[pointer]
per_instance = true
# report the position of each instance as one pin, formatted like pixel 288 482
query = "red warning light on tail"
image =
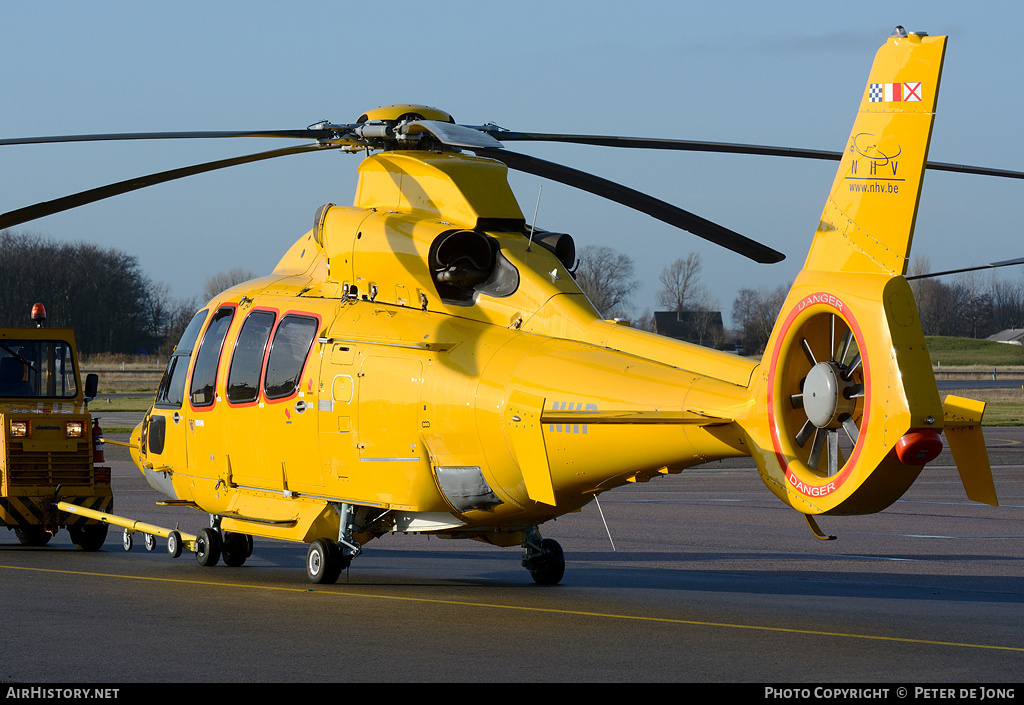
pixel 918 447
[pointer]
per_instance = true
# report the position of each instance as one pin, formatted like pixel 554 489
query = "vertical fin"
pixel 868 222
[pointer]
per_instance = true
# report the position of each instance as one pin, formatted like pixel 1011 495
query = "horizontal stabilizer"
pixel 962 418
pixel 527 438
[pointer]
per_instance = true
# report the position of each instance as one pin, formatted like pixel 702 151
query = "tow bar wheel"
pixel 174 544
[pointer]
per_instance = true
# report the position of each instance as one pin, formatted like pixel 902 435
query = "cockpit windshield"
pixel 37 368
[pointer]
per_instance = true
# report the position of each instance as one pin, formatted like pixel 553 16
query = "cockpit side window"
pixel 247 358
pixel 171 392
pixel 204 375
pixel 288 352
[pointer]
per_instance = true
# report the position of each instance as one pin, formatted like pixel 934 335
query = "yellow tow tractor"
pixel 49 443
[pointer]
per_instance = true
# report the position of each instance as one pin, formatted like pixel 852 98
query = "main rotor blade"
pixel 657 143
pixel 115 136
pixel 39 210
pixel 626 196
pixel 720 147
pixel 993 265
pixel 461 139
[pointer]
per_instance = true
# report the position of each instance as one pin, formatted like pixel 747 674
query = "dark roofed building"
pixel 700 327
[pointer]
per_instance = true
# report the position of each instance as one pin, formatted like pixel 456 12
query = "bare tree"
pixel 179 315
pixel 101 293
pixel 225 280
pixel 919 264
pixel 976 314
pixel 684 293
pixel 645 321
pixel 681 286
pixel 606 277
pixel 754 312
pixel 1007 304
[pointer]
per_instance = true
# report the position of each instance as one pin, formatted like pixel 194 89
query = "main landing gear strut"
pixel 327 558
pixel 543 558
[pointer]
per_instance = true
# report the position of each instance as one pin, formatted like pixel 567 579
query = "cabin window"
pixel 156 435
pixel 247 359
pixel 292 341
pixel 204 376
pixel 171 392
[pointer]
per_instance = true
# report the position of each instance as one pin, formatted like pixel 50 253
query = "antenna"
pixel 535 210
pixel 607 530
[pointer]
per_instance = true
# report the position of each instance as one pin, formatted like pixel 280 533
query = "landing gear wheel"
pixel 174 544
pixel 324 562
pixel 89 537
pixel 33 536
pixel 236 548
pixel 548 566
pixel 127 540
pixel 208 547
pixel 150 541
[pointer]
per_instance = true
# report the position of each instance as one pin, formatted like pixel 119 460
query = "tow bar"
pixel 175 539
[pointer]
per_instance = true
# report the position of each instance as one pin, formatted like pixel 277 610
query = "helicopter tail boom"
pixel 845 409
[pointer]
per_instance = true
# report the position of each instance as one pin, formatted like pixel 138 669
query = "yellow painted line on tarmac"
pixel 546 610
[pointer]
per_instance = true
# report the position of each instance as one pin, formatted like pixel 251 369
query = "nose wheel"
pixel 208 545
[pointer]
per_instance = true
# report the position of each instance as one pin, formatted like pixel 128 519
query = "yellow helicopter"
pixel 423 360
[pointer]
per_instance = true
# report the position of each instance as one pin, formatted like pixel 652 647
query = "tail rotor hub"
pixel 827 395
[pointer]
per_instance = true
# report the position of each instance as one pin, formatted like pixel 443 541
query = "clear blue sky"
pixel 787 74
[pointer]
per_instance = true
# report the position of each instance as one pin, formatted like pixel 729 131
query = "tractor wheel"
pixel 89 537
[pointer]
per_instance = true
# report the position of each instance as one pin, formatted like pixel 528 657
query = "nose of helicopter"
pixel 135 443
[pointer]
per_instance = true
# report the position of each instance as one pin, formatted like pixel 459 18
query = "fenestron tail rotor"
pixel 830 395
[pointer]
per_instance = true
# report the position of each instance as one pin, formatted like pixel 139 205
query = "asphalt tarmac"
pixel 706 577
